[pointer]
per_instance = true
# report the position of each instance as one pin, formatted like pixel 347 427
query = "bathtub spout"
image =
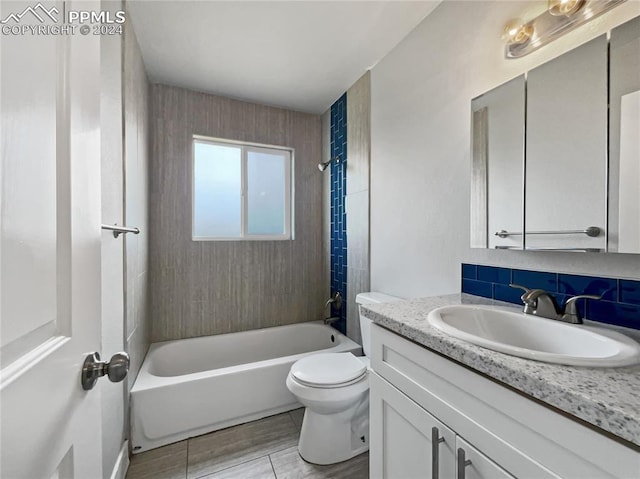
pixel 332 319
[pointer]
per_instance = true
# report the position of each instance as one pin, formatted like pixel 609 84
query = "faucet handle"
pixel 571 312
pixel 530 295
pixel 573 299
pixel 529 303
pixel 523 288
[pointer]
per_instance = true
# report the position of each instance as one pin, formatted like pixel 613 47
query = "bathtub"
pixel 194 386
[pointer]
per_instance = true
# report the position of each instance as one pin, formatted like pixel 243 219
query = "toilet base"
pixel 331 438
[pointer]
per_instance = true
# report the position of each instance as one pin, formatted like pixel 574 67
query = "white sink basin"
pixel 531 337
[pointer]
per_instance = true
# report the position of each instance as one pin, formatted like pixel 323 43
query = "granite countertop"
pixel 608 398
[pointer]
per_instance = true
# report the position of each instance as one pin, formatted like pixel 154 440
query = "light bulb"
pixel 515 32
pixel 564 7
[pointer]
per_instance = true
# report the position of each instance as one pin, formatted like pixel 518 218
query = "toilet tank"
pixel 365 323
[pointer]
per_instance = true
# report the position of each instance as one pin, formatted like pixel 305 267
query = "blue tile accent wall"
pixel 338 213
pixel 620 303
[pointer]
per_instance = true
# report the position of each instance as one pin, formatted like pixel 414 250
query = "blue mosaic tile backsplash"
pixel 338 213
pixel 620 303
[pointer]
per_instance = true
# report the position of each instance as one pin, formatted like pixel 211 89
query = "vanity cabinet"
pixel 411 443
pixel 418 397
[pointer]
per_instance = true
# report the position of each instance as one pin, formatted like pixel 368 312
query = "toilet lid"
pixel 328 369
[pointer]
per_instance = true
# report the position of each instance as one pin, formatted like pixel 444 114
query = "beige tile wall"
pixel 112 396
pixel 357 199
pixel 326 207
pixel 214 287
pixel 136 201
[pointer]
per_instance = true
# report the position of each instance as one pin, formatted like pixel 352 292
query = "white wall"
pixel 420 138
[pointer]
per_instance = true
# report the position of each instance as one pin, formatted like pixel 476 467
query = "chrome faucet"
pixel 540 303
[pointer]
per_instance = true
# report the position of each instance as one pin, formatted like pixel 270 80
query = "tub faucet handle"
pixel 336 301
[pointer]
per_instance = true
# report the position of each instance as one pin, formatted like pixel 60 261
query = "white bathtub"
pixel 194 386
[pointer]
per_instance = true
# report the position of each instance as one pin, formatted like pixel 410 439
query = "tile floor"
pixel 264 449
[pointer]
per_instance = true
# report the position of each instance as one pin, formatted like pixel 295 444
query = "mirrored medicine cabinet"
pixel 556 153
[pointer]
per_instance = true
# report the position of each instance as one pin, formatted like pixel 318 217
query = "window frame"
pixel 245 149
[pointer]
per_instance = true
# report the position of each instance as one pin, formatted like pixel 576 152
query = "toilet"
pixel 334 388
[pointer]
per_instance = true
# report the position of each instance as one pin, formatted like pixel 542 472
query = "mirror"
pixel 566 153
pixel 570 180
pixel 497 165
pixel 624 145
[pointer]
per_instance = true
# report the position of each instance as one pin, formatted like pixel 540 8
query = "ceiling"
pixel 300 55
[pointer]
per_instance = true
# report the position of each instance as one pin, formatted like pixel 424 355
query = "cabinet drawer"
pixel 497 420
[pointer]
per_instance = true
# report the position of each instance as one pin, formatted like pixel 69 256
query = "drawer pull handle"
pixel 463 462
pixel 435 454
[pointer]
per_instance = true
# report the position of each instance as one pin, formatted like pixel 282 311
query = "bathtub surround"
pixel 136 200
pixel 326 208
pixel 420 148
pixel 620 303
pixel 338 212
pixel 346 215
pixel 357 198
pixel 200 288
pixel 124 176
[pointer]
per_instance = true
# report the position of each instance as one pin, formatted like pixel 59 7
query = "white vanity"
pixel 445 408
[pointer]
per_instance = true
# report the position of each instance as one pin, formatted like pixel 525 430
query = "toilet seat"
pixel 329 370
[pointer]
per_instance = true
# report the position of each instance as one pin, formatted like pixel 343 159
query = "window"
pixel 241 191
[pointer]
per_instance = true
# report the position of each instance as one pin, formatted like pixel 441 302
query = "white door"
pixel 50 249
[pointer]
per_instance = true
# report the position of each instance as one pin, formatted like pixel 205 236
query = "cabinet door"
pixel 624 148
pixel 566 149
pixel 406 441
pixel 472 464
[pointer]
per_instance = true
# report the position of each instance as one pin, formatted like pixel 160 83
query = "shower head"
pixel 323 166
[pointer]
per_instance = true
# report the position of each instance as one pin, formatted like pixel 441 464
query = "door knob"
pixel 93 369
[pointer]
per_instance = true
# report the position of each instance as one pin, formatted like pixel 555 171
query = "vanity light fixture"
pixel 517 33
pixel 565 7
pixel 560 17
